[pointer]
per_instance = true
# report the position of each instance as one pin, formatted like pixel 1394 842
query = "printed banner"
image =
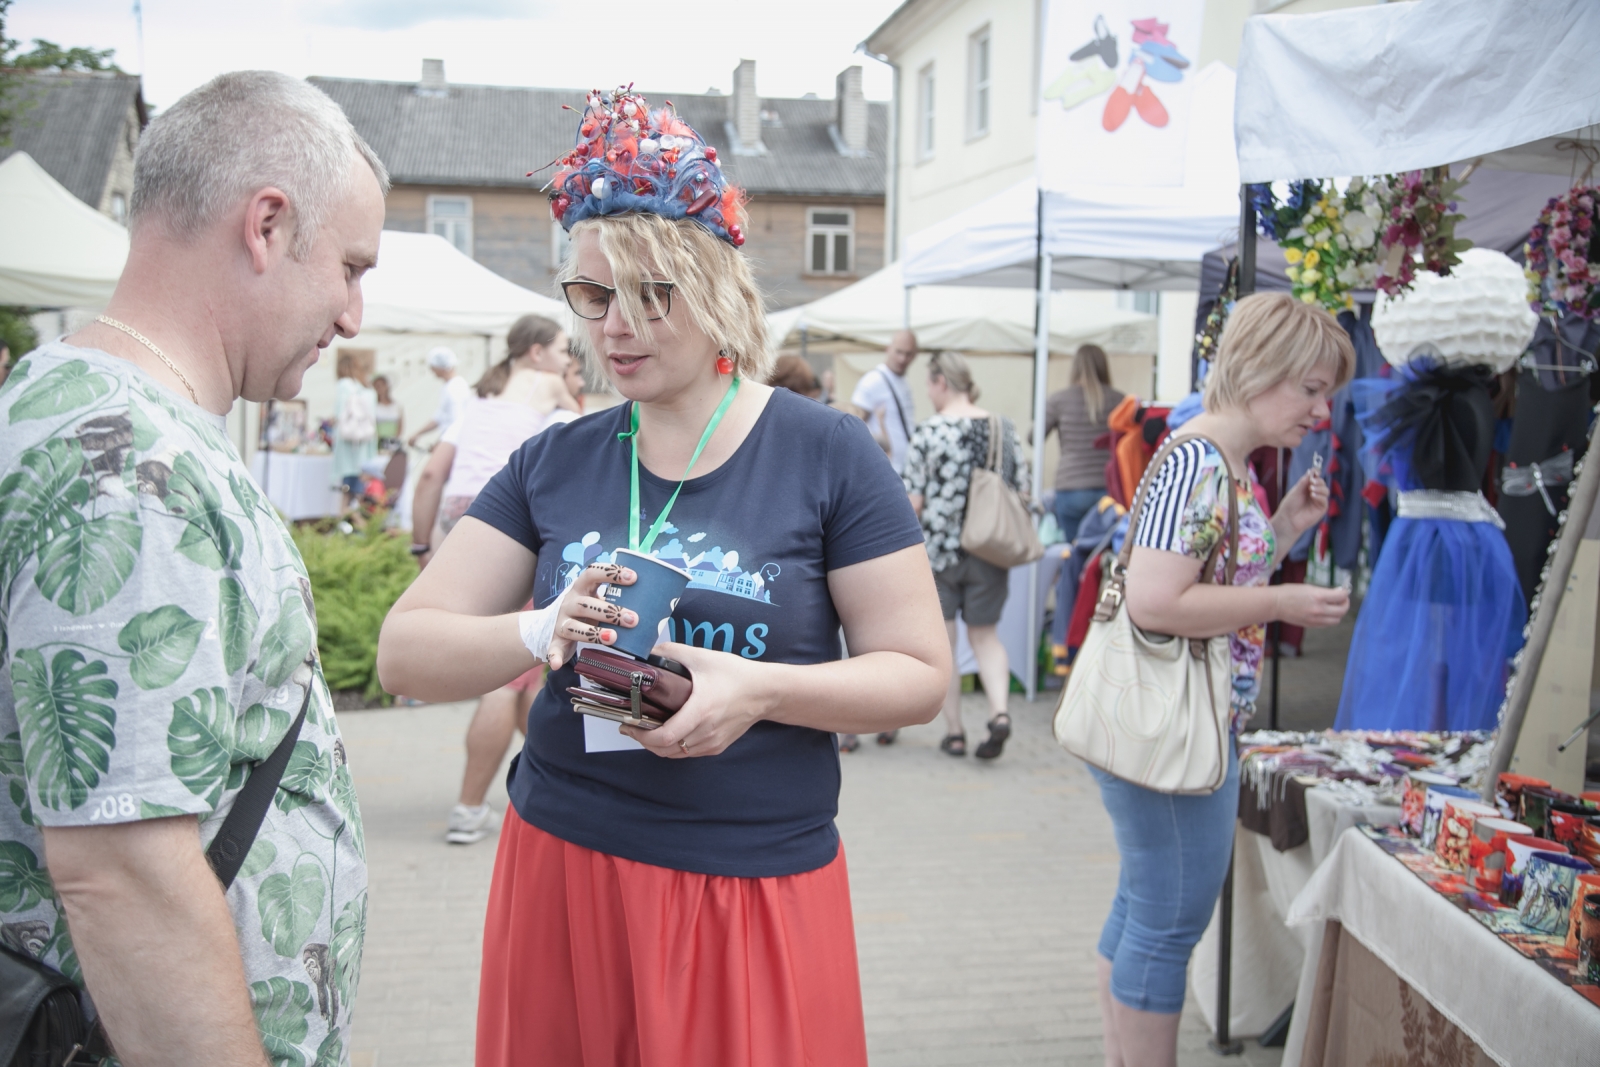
pixel 1117 81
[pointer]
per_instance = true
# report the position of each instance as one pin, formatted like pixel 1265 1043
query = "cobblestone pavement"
pixel 979 891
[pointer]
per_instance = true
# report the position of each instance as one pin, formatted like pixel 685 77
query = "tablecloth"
pixel 299 485
pixel 1516 1012
pixel 1268 956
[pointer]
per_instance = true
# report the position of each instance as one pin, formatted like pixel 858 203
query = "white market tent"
pixel 1101 237
pixel 55 250
pixel 425 293
pixel 424 284
pixel 1098 237
pixel 1048 234
pixel 1396 87
pixel 955 317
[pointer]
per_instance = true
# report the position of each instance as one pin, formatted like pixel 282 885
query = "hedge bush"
pixel 355 580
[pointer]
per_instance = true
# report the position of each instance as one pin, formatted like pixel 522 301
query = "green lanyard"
pixel 632 437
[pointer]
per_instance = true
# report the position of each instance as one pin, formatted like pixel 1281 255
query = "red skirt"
pixel 590 960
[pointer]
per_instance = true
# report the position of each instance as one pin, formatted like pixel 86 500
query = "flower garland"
pixel 1420 210
pixel 1329 238
pixel 1368 237
pixel 1561 256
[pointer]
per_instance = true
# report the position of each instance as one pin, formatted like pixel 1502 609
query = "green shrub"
pixel 355 580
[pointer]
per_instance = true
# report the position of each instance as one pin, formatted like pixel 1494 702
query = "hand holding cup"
pixel 586 617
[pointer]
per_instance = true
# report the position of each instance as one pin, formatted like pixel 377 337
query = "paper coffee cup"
pixel 653 597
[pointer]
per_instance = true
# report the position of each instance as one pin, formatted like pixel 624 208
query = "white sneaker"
pixel 469 825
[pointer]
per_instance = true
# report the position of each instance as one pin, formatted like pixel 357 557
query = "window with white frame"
pixel 451 218
pixel 830 235
pixel 560 245
pixel 978 69
pixel 925 112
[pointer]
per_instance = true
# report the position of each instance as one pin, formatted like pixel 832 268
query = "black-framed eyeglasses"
pixel 591 300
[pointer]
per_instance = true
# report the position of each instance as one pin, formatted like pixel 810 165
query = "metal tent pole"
pixel 1222 1044
pixel 1041 385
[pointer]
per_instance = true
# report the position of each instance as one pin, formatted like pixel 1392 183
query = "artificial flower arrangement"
pixel 1420 219
pixel 1560 256
pixel 1367 237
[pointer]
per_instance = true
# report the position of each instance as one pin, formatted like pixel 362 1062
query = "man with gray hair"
pixel 157 633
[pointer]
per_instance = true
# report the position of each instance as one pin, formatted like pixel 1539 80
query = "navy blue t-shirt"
pixel 807 492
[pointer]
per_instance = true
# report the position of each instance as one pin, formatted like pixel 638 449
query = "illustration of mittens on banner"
pixel 1081 82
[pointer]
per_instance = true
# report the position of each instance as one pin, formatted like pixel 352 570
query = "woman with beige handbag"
pixel 967 479
pixel 1155 715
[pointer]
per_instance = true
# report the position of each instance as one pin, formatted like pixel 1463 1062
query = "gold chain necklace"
pixel 151 345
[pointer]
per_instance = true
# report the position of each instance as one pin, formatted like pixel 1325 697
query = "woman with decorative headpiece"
pixel 1445 612
pixel 677 895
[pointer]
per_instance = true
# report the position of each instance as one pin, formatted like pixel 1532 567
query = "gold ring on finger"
pixel 684 744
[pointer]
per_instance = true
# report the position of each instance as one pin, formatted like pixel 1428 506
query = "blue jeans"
pixel 1174 852
pixel 1070 508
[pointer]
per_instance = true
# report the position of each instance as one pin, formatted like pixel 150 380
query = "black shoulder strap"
pixel 232 843
pixel 905 426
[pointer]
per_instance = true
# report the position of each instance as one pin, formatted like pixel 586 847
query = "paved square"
pixel 979 890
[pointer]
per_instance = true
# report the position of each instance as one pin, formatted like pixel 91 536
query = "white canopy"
pixel 953 317
pixel 1099 237
pixel 1396 87
pixel 55 250
pixel 423 284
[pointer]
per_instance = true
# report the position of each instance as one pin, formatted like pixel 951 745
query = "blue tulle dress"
pixel 1444 613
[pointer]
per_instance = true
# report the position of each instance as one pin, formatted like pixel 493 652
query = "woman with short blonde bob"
pixel 1279 362
pixel 679 895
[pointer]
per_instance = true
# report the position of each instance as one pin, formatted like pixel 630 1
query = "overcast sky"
pixel 673 46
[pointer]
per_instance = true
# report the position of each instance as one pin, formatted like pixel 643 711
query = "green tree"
pixel 49 56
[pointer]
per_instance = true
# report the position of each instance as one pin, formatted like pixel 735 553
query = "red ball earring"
pixel 724 365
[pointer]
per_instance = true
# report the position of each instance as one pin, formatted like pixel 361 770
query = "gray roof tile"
pixel 70 125
pixel 493 135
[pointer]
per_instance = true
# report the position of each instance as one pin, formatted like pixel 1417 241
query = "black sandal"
pixel 954 744
pixel 849 742
pixel 999 730
pixel 888 737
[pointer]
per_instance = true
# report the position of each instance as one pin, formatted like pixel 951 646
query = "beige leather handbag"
pixel 997 527
pixel 1150 708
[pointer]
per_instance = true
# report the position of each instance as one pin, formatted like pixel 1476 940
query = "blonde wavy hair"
pixel 711 281
pixel 1270 338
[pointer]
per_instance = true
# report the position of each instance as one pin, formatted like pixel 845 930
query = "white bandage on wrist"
pixel 538 629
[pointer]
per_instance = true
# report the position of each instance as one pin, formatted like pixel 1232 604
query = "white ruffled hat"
pixel 1479 314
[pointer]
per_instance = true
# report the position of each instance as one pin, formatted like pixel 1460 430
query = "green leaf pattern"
pixel 161 642
pixel 201 740
pixel 155 630
pixel 67 728
pixel 281 1009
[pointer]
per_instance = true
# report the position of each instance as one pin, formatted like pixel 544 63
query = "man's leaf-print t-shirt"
pixel 1187 512
pixel 807 492
pixel 156 639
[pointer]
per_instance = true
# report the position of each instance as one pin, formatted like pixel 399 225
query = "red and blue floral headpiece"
pixel 629 158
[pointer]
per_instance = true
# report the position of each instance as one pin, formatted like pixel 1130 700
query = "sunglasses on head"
pixel 591 300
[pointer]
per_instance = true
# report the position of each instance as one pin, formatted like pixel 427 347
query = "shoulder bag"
pixel 1150 708
pixel 41 1017
pixel 997 527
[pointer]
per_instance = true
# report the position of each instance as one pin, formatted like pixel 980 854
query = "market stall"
pixel 1400 92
